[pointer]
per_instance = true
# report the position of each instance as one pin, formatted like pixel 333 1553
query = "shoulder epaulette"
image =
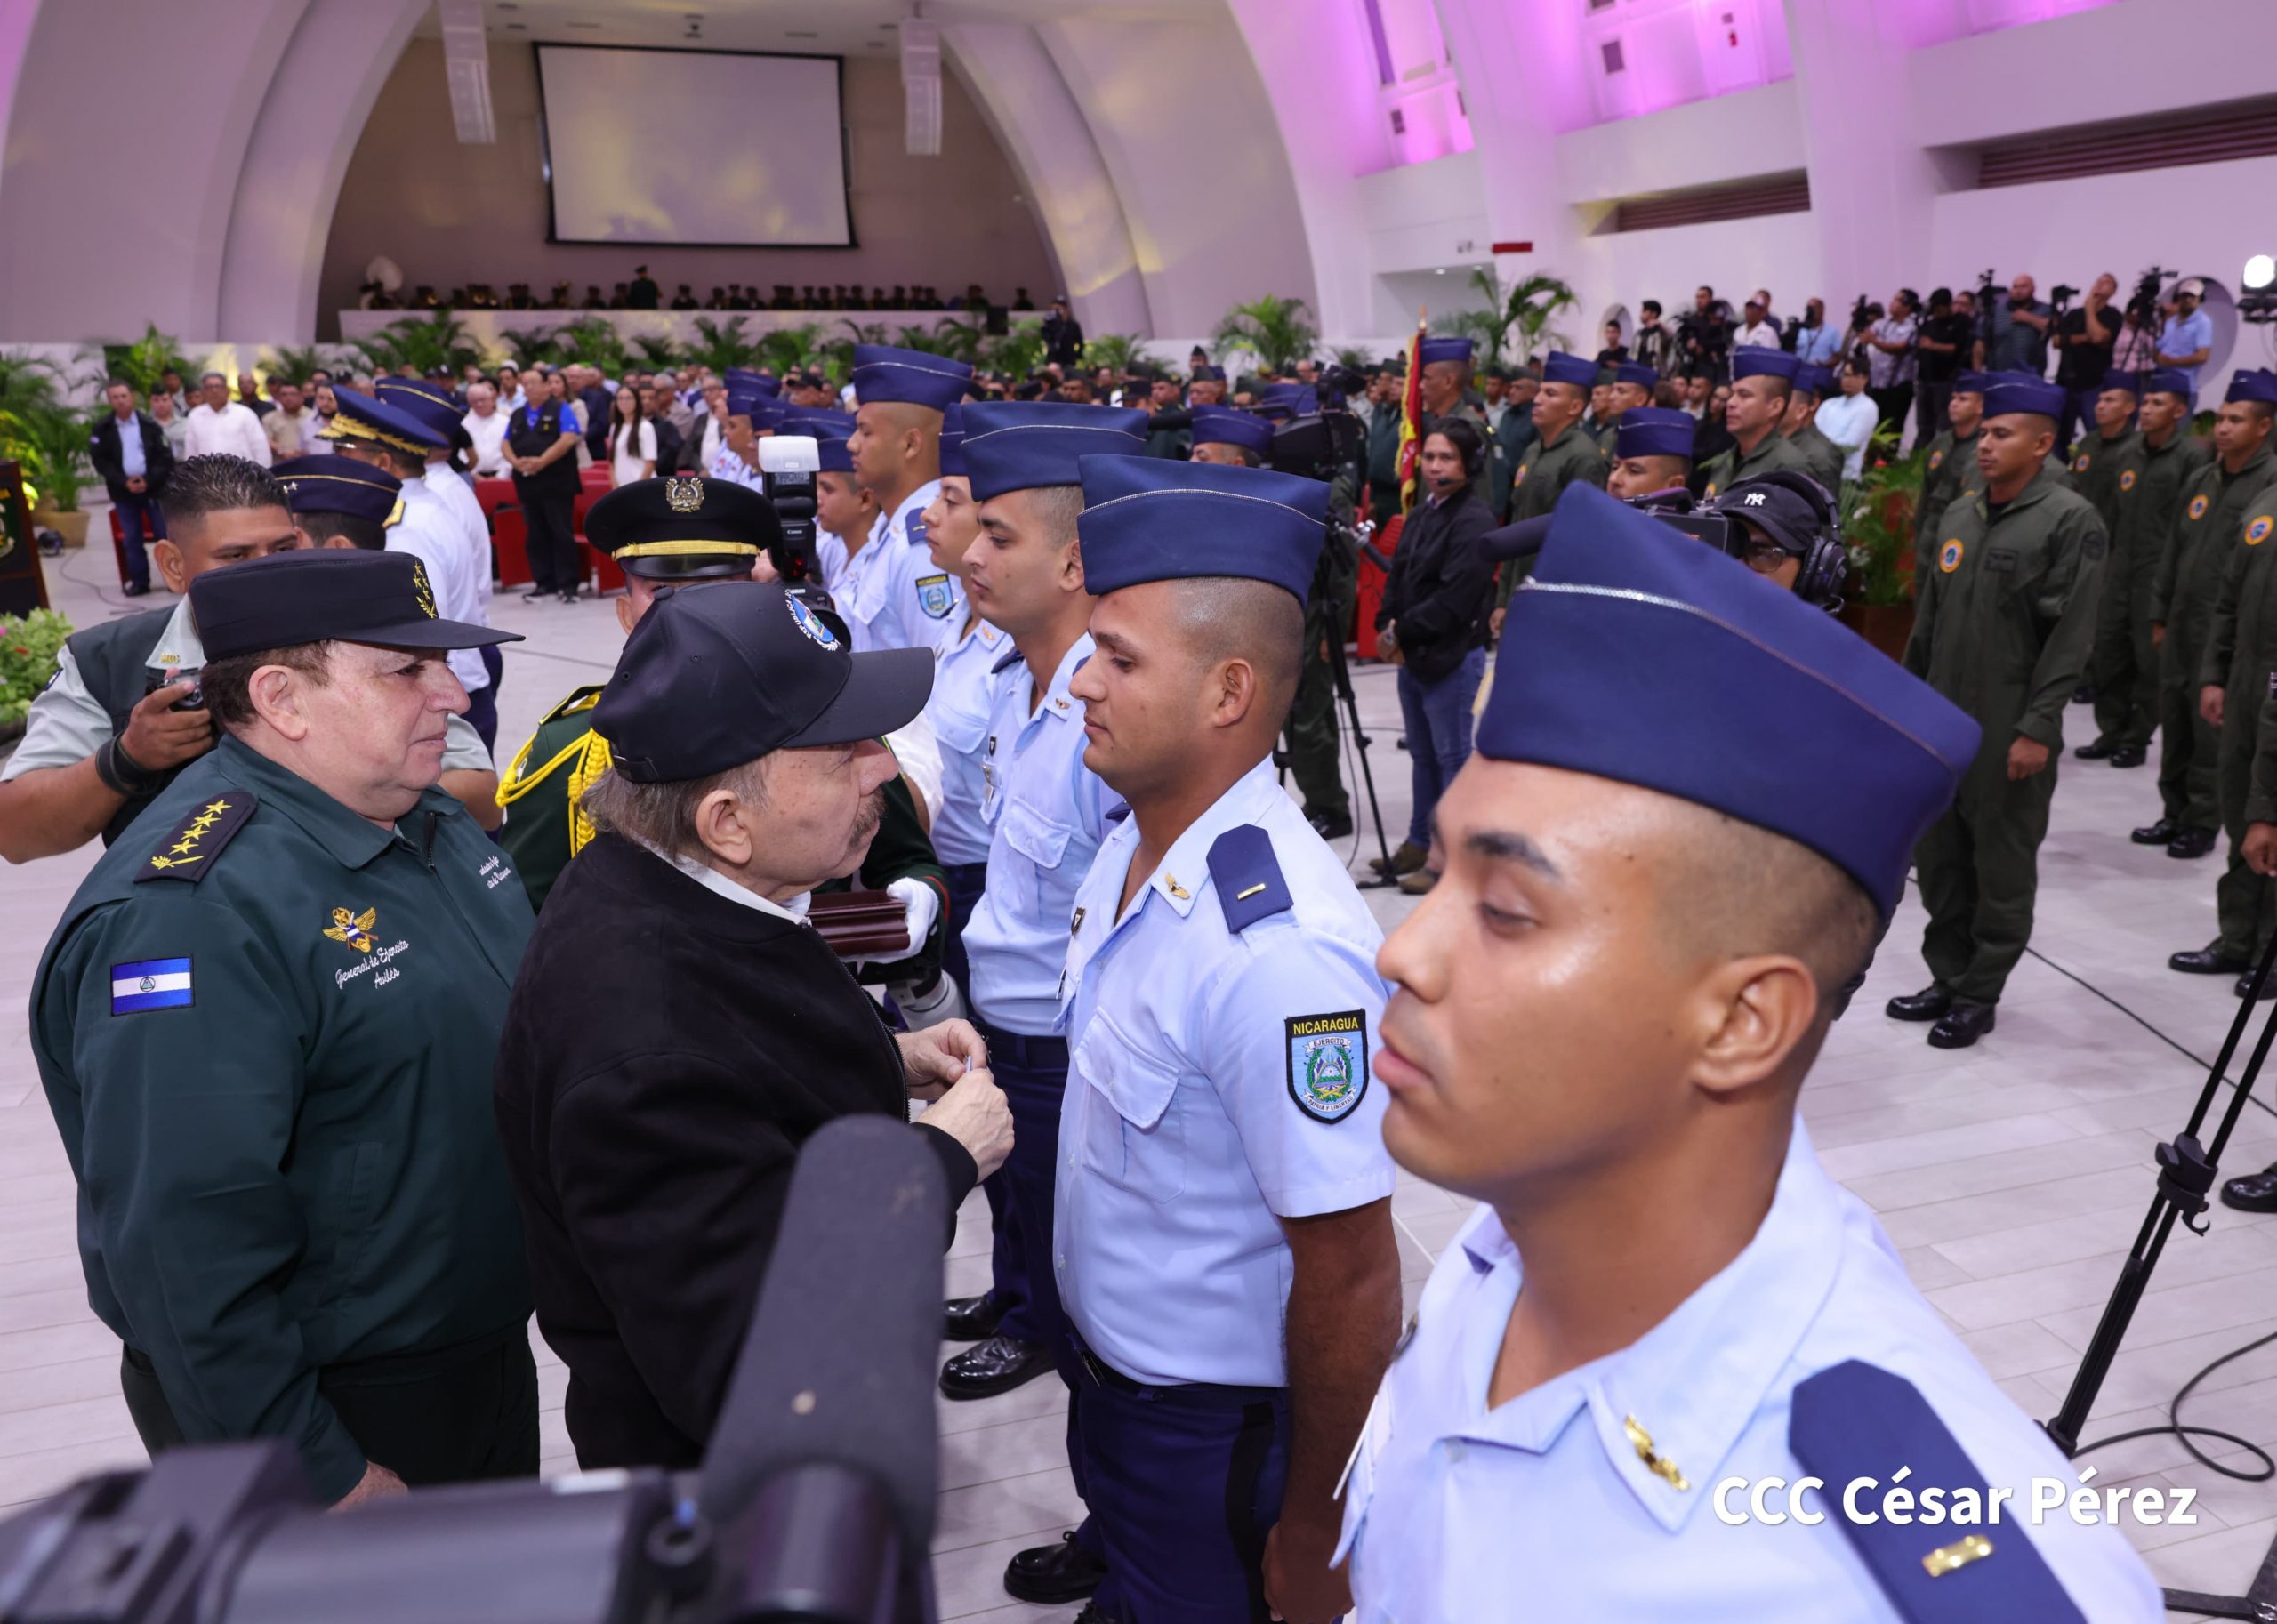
pixel 1854 1420
pixel 1006 663
pixel 1248 876
pixel 189 851
pixel 520 777
pixel 580 701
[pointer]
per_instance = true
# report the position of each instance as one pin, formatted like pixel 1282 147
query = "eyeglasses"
pixel 1764 558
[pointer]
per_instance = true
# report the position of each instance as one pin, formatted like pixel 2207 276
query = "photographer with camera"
pixel 1705 333
pixel 1942 344
pixel 2187 339
pixel 2083 339
pixel 2019 326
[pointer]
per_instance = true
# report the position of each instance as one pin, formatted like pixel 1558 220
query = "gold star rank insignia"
pixel 196 840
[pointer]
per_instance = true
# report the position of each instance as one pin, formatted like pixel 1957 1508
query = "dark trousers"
pixel 140 520
pixel 2078 415
pixel 1437 716
pixel 2189 749
pixel 477 1418
pixel 1979 866
pixel 1184 1483
pixel 2124 668
pixel 2245 904
pixel 549 520
pixel 1894 403
pixel 1008 1264
pixel 482 704
pixel 1311 735
pixel 1032 1073
pixel 1931 400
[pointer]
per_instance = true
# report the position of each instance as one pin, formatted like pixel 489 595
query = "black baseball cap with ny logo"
pixel 325 596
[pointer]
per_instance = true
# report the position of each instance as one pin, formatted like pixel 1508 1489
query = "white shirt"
pixel 1543 1507
pixel 713 880
pixel 631 455
pixel 444 482
pixel 489 437
pixel 891 594
pixel 234 431
pixel 508 405
pixel 1850 421
pixel 427 531
pixel 1212 1074
pixel 1757 335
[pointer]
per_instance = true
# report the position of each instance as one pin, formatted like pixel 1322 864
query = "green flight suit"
pixel 1512 436
pixel 1950 469
pixel 1773 452
pixel 2261 786
pixel 2006 617
pixel 544 829
pixel 2240 658
pixel 1823 459
pixel 1544 472
pixel 266 1027
pixel 1310 737
pixel 2146 481
pixel 2183 591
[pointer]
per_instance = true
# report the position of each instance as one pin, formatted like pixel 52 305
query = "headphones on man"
pixel 1817 541
pixel 1467 444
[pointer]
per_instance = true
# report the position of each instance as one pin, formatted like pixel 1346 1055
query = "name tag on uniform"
pixel 2002 559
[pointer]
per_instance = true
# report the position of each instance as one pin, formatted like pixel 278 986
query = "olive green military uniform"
pixel 545 827
pixel 1544 472
pixel 266 1027
pixel 2240 658
pixel 2006 618
pixel 1174 443
pixel 1950 469
pixel 1823 459
pixel 2147 482
pixel 1468 412
pixel 2260 804
pixel 2183 593
pixel 2097 463
pixel 1310 737
pixel 1774 451
pixel 1607 435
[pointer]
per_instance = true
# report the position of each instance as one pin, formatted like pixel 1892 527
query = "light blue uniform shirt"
pixel 1046 813
pixel 1544 1508
pixel 729 465
pixel 892 593
pixel 1182 1139
pixel 963 703
pixel 2187 335
pixel 1817 346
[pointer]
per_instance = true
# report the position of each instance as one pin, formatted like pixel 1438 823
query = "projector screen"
pixel 687 146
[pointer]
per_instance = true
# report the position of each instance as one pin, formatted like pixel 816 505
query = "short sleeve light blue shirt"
pixel 891 592
pixel 1046 813
pixel 1183 1140
pixel 2187 335
pixel 729 465
pixel 963 703
pixel 1543 1507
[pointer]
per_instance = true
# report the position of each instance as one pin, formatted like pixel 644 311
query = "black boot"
pixel 2209 960
pixel 1929 1004
pixel 2095 750
pixel 2156 834
pixel 2252 1192
pixel 2191 843
pixel 1963 1025
pixel 972 1319
pixel 997 1365
pixel 1051 1575
pixel 2130 755
pixel 2245 985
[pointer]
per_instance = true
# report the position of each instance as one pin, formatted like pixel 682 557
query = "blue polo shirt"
pixel 2186 335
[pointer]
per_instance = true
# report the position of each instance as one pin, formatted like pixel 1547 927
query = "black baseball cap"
pixel 325 596
pixel 716 677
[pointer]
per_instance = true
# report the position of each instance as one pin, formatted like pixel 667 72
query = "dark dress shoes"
pixel 1963 1025
pixel 2205 962
pixel 1929 1004
pixel 2252 1192
pixel 2130 755
pixel 997 1365
pixel 1330 825
pixel 136 588
pixel 2156 834
pixel 2191 843
pixel 2095 750
pixel 1051 1575
pixel 972 1319
pixel 2244 987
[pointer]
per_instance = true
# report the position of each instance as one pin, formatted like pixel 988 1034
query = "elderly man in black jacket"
pixel 678 1029
pixel 131 455
pixel 1434 611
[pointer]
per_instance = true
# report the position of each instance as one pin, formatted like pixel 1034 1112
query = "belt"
pixel 1184 1395
pixel 967 877
pixel 1041 1054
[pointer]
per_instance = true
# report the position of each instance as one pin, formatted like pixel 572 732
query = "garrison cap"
pixel 2253 383
pixel 1755 361
pixel 1284 401
pixel 746 399
pixel 683 527
pixel 360 417
pixel 2169 381
pixel 818 422
pixel 1654 431
pixel 429 403
pixel 916 376
pixel 758 382
pixel 1813 380
pixel 1681 671
pixel 2120 378
pixel 1020 445
pixel 1150 519
pixel 1457 350
pixel 953 440
pixel 1643 377
pixel 1232 426
pixel 715 677
pixel 2007 393
pixel 1563 368
pixel 325 595
pixel 1206 373
pixel 322 482
pixel 1969 382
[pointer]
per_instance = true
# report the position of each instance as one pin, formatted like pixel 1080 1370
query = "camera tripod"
pixel 2186 1174
pixel 1339 669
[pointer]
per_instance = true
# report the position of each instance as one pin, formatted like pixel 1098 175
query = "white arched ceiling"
pixel 339 57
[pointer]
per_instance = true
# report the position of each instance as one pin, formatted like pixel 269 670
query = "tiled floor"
pixel 2013 1176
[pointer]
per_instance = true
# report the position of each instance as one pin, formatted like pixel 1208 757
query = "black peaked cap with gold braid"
pixel 683 527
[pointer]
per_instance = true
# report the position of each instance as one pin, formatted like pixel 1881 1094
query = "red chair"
pixel 509 544
pixel 493 495
pixel 601 569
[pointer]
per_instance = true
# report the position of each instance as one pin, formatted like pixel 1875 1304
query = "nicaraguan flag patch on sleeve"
pixel 149 983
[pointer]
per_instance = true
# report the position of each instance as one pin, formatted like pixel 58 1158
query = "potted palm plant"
pixel 1278 331
pixel 1523 313
pixel 1878 524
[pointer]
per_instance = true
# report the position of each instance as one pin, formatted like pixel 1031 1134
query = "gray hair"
pixel 661 816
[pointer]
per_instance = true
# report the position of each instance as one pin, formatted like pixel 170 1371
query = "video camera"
pixel 788 465
pixel 2143 303
pixel 1318 446
pixel 815 1500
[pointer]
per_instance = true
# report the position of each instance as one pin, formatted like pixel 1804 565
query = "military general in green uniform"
pixel 266 1027
pixel 2145 479
pixel 2183 591
pixel 1561 454
pixel 1948 469
pixel 1761 381
pixel 2006 618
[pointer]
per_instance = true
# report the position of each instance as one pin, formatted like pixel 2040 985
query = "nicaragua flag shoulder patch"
pixel 150 984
